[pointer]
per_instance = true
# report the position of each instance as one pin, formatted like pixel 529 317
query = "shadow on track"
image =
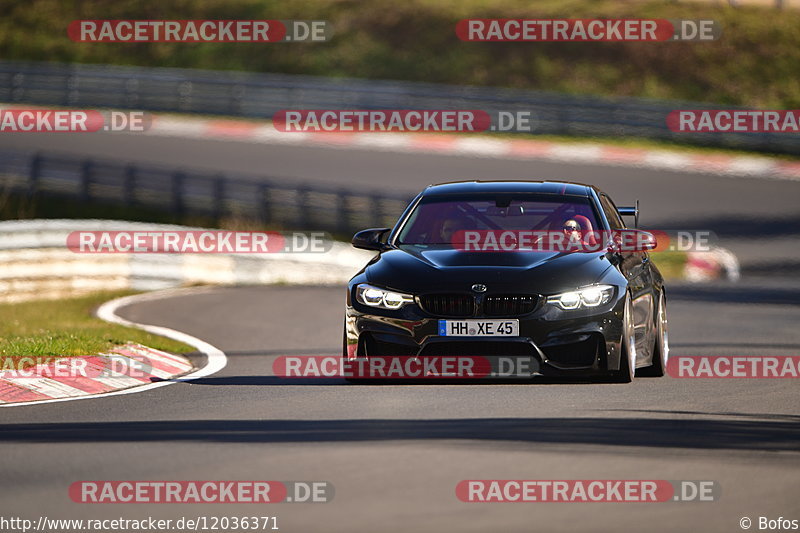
pixel 727 434
pixel 273 381
pixel 765 416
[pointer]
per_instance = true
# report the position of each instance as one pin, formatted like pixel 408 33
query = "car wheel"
pixel 661 348
pixel 627 363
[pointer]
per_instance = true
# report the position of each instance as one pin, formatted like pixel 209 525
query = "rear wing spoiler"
pixel 631 212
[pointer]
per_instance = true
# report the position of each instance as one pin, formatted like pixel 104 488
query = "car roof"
pixel 560 188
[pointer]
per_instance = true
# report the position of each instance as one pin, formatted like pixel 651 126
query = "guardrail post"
pixel 17 87
pixel 129 185
pixel 265 204
pixel 131 92
pixel 342 212
pixel 177 193
pixel 235 100
pixel 35 173
pixel 377 210
pixel 184 94
pixel 562 128
pixel 219 198
pixel 303 208
pixel 86 180
pixel 69 84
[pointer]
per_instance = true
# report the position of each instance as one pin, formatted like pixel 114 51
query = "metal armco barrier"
pixel 260 95
pixel 35 263
pixel 182 193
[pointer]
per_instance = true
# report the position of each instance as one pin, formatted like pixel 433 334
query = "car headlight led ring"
pixel 382 298
pixel 585 297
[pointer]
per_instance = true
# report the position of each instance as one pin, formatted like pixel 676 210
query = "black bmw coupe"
pixel 452 278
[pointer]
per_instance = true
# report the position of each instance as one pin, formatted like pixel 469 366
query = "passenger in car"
pixel 573 231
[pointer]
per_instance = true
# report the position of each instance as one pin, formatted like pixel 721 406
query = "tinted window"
pixel 610 210
pixel 434 220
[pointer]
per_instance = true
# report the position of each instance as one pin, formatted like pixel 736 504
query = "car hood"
pixel 416 270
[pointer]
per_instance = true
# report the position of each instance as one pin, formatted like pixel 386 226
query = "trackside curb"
pixel 167 368
pixel 122 367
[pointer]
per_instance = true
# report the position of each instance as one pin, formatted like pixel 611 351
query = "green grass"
pixel 753 64
pixel 52 328
pixel 670 264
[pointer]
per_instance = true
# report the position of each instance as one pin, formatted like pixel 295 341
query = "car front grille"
pixel 448 304
pixel 509 305
pixel 463 305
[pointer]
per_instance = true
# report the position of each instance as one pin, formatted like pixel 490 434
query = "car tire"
pixel 627 362
pixel 661 348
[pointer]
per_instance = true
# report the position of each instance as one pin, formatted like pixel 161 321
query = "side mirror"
pixel 370 239
pixel 631 240
pixel 631 212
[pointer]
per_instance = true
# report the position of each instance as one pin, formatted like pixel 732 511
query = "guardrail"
pixel 184 193
pixel 35 263
pixel 260 95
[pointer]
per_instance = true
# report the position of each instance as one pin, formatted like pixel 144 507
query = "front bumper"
pixel 558 343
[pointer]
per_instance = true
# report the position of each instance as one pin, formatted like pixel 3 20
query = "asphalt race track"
pixel 396 452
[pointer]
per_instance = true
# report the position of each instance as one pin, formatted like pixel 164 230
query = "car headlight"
pixel 383 298
pixel 592 296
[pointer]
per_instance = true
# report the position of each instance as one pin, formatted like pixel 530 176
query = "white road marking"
pixel 216 357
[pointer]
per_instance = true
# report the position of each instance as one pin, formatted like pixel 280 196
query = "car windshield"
pixel 435 221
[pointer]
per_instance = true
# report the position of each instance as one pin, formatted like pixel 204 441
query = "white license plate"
pixel 479 328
